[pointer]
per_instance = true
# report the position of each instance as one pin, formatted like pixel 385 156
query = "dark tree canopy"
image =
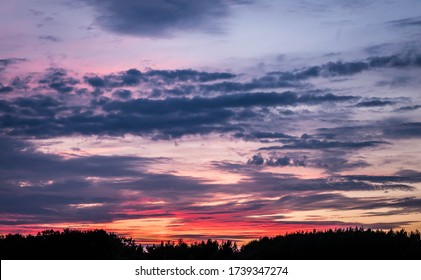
pixel 351 243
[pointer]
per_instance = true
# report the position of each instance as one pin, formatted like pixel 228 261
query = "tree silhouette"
pixel 351 243
pixel 69 244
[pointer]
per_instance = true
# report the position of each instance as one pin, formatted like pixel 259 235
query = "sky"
pixel 225 119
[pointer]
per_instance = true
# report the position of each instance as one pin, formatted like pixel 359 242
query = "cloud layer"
pixel 160 18
pixel 300 150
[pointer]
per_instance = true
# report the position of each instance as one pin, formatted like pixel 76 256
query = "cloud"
pixel 47 188
pixel 256 160
pixel 178 102
pixel 86 122
pixel 335 161
pixel 41 116
pixel 160 18
pixel 408 108
pixel 342 68
pixel 331 160
pixel 374 134
pixel 296 78
pixel 134 77
pixel 403 130
pixel 345 68
pixel 21 82
pixel 400 81
pixel 406 22
pixel 128 78
pixel 188 75
pixel 22 162
pixel 262 136
pixel 59 80
pixel 5 89
pixel 122 94
pixel 243 100
pixel 374 103
pixel 396 61
pixel 317 144
pixel 276 161
pixel 406 176
pixel 341 202
pixel 95 113
pixel 270 184
pixel 4 63
pixel 248 86
pixel 95 81
pixel 50 38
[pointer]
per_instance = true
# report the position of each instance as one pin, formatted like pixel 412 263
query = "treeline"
pixel 351 243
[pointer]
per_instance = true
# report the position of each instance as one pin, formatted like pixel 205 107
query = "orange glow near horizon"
pixel 154 231
pixel 197 227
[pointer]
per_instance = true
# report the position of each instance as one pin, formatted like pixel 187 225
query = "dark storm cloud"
pixel 50 116
pixel 403 130
pixel 37 207
pixel 95 81
pixel 248 86
pixel 345 68
pixel 409 108
pixel 21 161
pixel 45 116
pixel 339 68
pixel 21 82
pixel 270 184
pixel 270 80
pixel 185 75
pixel 396 61
pixel 276 161
pixel 256 160
pixel 161 17
pixel 129 78
pixel 381 179
pixel 168 187
pixel 404 176
pixel 155 107
pixel 59 80
pixel 285 161
pixel 36 102
pixel 331 160
pixel 5 89
pixel 4 63
pixel 295 78
pixel 374 134
pixel 341 202
pixel 263 135
pixel 174 104
pixel 134 77
pixel 122 93
pixel 350 132
pixel 48 188
pixel 374 103
pixel 33 108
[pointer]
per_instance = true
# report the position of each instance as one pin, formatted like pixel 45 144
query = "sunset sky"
pixel 223 119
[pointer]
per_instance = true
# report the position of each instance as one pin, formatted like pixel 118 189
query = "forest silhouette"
pixel 345 244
